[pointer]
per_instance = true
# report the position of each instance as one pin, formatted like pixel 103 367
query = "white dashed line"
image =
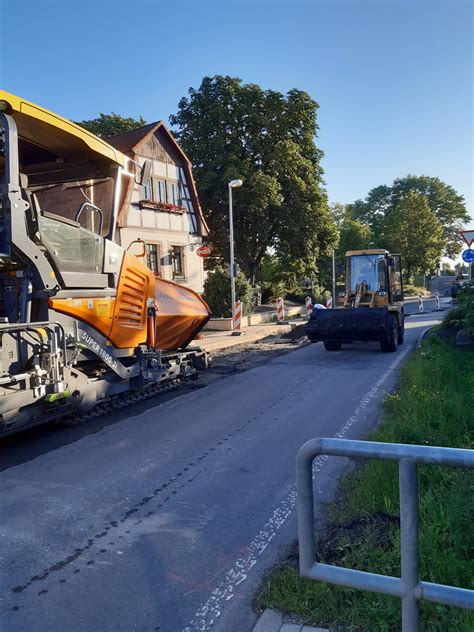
pixel 207 614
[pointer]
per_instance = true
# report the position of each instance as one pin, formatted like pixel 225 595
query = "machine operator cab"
pixel 68 185
pixel 373 279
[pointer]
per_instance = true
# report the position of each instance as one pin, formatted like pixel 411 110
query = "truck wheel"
pixel 389 345
pixel 332 345
pixel 401 332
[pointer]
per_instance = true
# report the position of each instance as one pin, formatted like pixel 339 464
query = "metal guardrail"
pixel 408 587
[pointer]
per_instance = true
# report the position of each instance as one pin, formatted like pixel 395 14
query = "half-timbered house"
pixel 166 213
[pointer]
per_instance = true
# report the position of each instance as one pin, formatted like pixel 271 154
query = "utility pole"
pixel 232 185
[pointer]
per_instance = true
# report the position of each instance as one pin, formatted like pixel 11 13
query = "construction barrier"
pixel 420 304
pixel 437 299
pixel 309 306
pixel 280 310
pixel 329 303
pixel 238 316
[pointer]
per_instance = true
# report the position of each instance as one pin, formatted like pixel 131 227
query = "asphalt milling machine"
pixel 82 321
pixel 369 309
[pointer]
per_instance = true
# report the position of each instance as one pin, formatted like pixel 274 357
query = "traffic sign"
pixel 468 236
pixel 468 255
pixel 203 251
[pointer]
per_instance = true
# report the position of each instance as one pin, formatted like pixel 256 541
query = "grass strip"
pixel 432 405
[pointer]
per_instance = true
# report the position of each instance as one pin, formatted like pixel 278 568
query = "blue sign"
pixel 468 255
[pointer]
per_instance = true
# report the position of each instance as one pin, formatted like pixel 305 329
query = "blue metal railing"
pixel 408 587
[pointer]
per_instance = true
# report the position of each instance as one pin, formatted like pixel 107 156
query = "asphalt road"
pixel 167 520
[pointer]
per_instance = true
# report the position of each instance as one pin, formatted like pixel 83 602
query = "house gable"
pixel 156 143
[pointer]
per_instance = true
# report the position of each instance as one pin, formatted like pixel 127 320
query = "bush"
pixel 462 316
pixel 297 297
pixel 217 293
pixel 414 290
pixel 271 290
pixel 454 319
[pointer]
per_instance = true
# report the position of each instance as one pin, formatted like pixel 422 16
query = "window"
pixel 396 278
pixel 160 191
pixel 147 190
pixel 368 268
pixel 74 249
pixel 152 258
pixel 175 196
pixel 363 268
pixel 177 254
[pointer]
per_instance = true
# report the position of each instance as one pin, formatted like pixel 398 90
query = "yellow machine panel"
pixel 97 312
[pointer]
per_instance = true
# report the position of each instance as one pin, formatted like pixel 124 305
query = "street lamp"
pixel 233 184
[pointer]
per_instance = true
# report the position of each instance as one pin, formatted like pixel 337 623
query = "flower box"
pixel 161 206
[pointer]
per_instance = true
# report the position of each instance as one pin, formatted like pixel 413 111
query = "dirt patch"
pixel 335 541
pixel 339 540
pixel 297 333
pixel 249 355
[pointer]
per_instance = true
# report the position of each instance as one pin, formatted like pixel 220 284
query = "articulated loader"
pixel 370 308
pixel 82 321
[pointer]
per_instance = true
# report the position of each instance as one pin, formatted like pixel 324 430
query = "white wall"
pixel 192 264
pixel 165 229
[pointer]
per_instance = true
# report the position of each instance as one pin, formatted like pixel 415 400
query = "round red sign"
pixel 203 251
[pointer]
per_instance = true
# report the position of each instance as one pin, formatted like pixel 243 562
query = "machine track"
pixel 119 401
pixel 114 402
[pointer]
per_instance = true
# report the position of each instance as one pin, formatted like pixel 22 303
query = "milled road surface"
pixel 166 520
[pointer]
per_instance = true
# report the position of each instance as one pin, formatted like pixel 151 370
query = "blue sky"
pixel 393 78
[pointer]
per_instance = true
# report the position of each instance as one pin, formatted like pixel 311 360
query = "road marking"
pixel 207 614
pixel 366 399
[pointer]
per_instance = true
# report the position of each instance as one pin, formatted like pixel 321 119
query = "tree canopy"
pixel 353 234
pixel 446 204
pixel 413 229
pixel 233 130
pixel 106 125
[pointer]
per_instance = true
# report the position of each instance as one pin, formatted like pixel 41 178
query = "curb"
pixel 272 621
pixel 423 336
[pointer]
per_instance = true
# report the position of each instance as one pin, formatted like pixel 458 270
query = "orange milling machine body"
pixel 180 312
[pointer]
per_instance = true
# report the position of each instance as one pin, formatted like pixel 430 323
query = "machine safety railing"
pixel 409 587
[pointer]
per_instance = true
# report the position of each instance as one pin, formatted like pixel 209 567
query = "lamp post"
pixel 233 184
pixel 333 278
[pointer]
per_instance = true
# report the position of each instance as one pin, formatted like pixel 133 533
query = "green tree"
pixel 448 206
pixel 217 292
pixel 233 130
pixel 106 125
pixel 413 230
pixel 460 269
pixel 353 234
pixel 447 269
